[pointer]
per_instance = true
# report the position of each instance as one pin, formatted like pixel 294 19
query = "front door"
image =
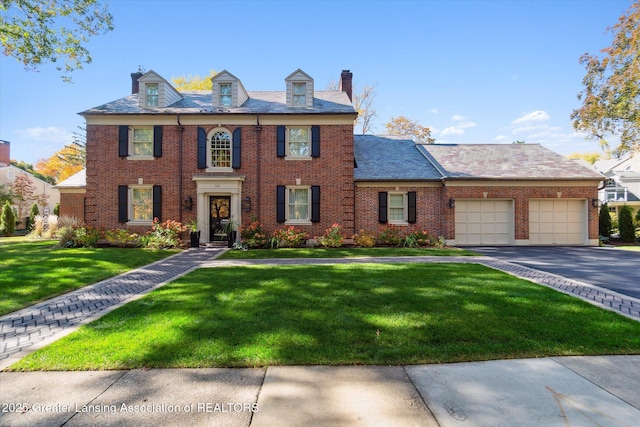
pixel 220 211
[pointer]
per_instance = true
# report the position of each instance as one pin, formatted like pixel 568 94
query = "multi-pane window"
pixel 298 204
pixel 142 142
pixel 225 94
pixel 152 94
pixel 299 94
pixel 298 143
pixel 142 204
pixel 220 144
pixel 396 208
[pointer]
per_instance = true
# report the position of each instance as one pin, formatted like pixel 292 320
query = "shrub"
pixel 288 237
pixel 604 221
pixel 122 238
pixel 86 237
pixel 389 235
pixel 66 236
pixel 52 222
pixel 332 237
pixel 364 239
pixel 253 235
pixel 625 222
pixel 8 220
pixel 418 238
pixel 163 235
pixel 69 221
pixel 56 209
pixel 37 225
pixel 32 216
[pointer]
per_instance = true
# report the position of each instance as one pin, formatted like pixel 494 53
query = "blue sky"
pixel 473 71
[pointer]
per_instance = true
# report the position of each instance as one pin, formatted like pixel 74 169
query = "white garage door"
pixel 557 222
pixel 484 222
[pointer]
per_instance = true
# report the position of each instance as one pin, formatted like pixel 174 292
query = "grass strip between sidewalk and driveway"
pixel 344 252
pixel 347 314
pixel 35 270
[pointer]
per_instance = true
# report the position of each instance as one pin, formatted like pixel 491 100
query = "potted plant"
pixel 194 233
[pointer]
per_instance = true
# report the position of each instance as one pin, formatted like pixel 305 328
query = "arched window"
pixel 220 149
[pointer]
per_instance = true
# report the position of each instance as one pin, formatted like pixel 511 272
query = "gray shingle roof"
pixel 391 158
pixel 505 161
pixel 199 102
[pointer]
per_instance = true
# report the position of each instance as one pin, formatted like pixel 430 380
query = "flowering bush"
pixel 122 238
pixel 389 235
pixel 163 235
pixel 364 239
pixel 253 235
pixel 288 237
pixel 418 238
pixel 332 237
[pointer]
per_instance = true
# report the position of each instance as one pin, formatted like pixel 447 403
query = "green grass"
pixel 629 248
pixel 35 270
pixel 342 253
pixel 351 314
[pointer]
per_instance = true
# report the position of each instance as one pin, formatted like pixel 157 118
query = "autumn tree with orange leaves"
pixel 403 126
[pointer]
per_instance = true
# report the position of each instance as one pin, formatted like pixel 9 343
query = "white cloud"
pixel 49 134
pixel 500 138
pixel 457 118
pixel 535 116
pixel 452 130
pixel 434 111
pixel 466 125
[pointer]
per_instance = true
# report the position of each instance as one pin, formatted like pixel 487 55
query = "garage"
pixel 484 222
pixel 557 222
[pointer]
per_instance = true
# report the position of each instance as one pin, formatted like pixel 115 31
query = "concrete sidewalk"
pixel 563 391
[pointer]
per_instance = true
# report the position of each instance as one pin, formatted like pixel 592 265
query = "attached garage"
pixel 557 222
pixel 484 222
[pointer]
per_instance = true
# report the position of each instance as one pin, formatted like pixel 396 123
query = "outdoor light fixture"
pixel 452 202
pixel 188 203
pixel 595 203
pixel 246 204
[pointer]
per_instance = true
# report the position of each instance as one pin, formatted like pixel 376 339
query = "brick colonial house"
pixel 290 158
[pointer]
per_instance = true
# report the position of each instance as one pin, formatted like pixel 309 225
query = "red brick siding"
pixel 72 204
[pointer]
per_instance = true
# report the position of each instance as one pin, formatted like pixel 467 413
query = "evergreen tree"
pixel 34 212
pixel 625 223
pixel 8 220
pixel 604 224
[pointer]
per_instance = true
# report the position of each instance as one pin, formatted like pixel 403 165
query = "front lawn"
pixel 36 270
pixel 346 252
pixel 351 314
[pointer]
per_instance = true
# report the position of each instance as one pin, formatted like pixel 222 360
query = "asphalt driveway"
pixel 610 268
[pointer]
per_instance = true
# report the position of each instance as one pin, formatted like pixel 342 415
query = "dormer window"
pixel 299 94
pixel 152 94
pixel 225 94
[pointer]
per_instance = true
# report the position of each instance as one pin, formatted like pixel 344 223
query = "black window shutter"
pixel 157 202
pixel 280 214
pixel 315 203
pixel 281 141
pixel 315 141
pixel 237 148
pixel 157 141
pixel 411 205
pixel 382 207
pixel 202 149
pixel 123 203
pixel 123 141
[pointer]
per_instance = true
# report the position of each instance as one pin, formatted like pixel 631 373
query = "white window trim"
pixel 209 135
pixel 405 208
pixel 290 156
pixel 132 155
pixel 286 201
pixel 220 104
pixel 130 205
pixel 146 95
pixel 293 93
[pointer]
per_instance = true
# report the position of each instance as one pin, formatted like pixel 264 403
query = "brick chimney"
pixel 5 153
pixel 135 85
pixel 345 83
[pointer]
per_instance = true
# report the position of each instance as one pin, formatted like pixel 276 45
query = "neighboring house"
pixel 72 195
pixel 9 173
pixel 290 158
pixel 622 185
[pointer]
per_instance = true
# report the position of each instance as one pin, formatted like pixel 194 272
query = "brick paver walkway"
pixel 28 329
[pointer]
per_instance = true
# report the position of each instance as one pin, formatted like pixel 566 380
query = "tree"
pixel 7 220
pixel 517 141
pixel 363 104
pixel 590 158
pixel 402 126
pixel 604 221
pixel 32 215
pixel 193 82
pixel 24 193
pixel 611 94
pixel 27 167
pixel 76 152
pixel 5 195
pixel 625 224
pixel 62 164
pixel 36 32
